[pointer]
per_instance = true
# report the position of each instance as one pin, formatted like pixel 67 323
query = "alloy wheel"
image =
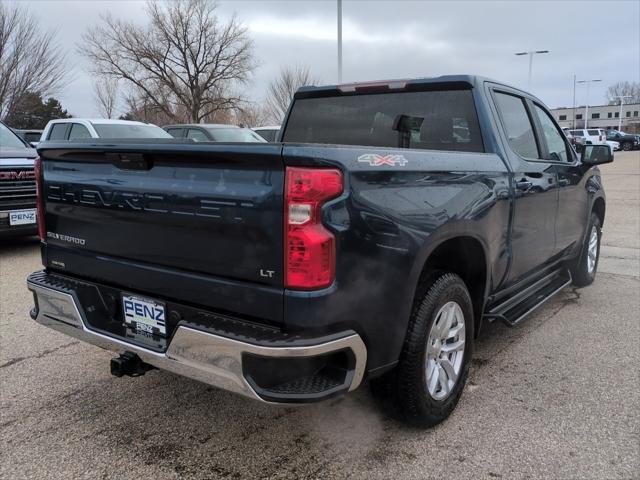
pixel 445 351
pixel 592 252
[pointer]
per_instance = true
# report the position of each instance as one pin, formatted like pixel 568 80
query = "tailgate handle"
pixel 129 161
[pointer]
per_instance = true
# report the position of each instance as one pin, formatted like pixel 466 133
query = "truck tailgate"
pixel 213 211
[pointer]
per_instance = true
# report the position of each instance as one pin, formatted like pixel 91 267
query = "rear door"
pixel 535 185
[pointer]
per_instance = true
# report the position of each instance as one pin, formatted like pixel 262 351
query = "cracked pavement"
pixel 556 397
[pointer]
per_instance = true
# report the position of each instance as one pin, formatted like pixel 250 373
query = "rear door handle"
pixel 524 185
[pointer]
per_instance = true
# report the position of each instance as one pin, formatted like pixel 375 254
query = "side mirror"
pixel 596 154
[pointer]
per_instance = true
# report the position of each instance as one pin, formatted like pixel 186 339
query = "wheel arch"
pixel 466 257
pixel 599 209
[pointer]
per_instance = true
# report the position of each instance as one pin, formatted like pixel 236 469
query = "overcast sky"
pixel 398 39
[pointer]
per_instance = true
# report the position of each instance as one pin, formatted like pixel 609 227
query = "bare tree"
pixel 631 89
pixel 183 59
pixel 250 115
pixel 142 108
pixel 280 91
pixel 30 58
pixel 106 95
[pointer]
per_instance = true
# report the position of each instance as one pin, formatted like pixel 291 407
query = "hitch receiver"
pixel 129 364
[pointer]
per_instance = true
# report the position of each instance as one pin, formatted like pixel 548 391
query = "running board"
pixel 514 309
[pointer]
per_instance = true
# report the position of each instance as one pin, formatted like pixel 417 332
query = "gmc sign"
pixel 17 176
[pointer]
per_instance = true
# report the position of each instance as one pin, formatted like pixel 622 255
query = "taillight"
pixel 37 169
pixel 310 249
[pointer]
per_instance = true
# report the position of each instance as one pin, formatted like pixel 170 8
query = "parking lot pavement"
pixel 556 397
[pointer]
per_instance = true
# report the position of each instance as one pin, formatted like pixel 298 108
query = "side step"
pixel 514 309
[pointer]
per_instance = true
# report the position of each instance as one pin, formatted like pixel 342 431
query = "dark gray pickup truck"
pixel 373 242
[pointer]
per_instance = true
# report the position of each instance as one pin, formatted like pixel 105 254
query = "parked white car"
pixel 614 146
pixel 76 128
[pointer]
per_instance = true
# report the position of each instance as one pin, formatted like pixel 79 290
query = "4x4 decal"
pixel 376 160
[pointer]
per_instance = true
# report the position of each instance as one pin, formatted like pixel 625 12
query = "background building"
pixel 600 116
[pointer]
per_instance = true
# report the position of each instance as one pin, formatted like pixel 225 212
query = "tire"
pixel 626 146
pixel 406 389
pixel 583 271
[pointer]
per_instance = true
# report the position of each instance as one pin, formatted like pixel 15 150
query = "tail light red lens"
pixel 310 249
pixel 37 169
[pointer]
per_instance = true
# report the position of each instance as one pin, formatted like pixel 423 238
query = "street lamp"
pixel 339 41
pixel 586 108
pixel 531 54
pixel 621 97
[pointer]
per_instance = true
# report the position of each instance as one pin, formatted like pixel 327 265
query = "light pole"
pixel 573 123
pixel 586 107
pixel 339 41
pixel 531 54
pixel 621 97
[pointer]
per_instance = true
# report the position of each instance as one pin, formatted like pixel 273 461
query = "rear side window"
pixel 268 135
pixel 57 131
pixel 517 125
pixel 175 132
pixel 78 131
pixel 435 120
pixel 197 135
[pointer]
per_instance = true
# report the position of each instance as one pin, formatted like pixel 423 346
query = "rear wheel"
pixel 428 381
pixel 584 270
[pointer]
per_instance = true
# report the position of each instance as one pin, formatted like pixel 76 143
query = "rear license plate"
pixel 144 314
pixel 22 217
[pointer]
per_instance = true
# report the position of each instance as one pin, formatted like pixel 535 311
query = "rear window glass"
pixel 437 120
pixel 593 132
pixel 235 135
pixel 129 130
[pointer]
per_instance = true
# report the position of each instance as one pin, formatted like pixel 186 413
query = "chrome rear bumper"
pixel 209 358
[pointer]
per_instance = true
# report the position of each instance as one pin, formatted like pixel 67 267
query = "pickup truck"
pixel 17 186
pixel 372 243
